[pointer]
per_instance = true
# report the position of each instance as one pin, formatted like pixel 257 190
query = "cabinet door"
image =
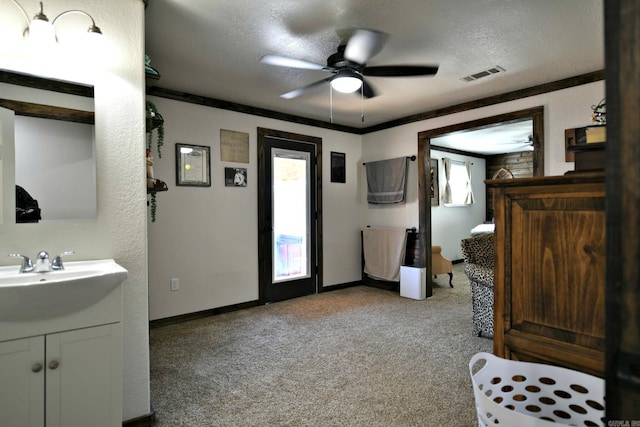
pixel 22 382
pixel 84 377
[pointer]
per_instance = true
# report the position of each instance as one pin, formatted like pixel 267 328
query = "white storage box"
pixel 525 394
pixel 413 282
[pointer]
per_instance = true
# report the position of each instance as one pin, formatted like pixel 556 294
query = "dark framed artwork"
pixel 338 167
pixel 193 165
pixel 235 177
pixel 434 183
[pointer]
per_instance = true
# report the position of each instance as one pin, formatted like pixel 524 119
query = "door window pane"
pixel 290 215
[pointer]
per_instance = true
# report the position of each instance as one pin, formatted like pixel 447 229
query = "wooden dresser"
pixel 549 280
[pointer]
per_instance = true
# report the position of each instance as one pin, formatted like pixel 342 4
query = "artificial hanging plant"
pixel 154 207
pixel 155 121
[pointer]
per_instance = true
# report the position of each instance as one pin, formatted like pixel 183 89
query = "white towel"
pixel 384 250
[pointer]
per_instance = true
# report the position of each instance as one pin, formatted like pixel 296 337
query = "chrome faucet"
pixel 42 264
pixel 56 264
pixel 26 266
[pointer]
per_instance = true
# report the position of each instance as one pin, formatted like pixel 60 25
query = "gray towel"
pixel 387 181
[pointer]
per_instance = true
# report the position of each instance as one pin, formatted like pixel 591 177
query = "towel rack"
pixel 412 158
pixel 410 230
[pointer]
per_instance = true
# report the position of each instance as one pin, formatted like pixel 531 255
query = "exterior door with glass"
pixel 288 217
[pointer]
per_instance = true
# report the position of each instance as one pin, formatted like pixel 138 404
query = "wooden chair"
pixel 440 264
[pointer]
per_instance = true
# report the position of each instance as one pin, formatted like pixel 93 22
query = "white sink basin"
pixel 38 296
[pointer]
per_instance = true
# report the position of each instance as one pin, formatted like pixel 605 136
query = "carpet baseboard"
pixel 200 314
pixel 235 307
pixel 141 421
pixel 340 286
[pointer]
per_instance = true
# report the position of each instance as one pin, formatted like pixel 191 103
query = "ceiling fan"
pixel 348 65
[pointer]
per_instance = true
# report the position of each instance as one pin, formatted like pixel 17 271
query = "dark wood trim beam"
pixel 492 100
pixel 35 82
pixel 460 152
pixel 246 109
pixel 471 105
pixel 42 111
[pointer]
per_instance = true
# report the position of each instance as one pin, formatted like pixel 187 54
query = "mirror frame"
pixel 536 114
pixel 47 111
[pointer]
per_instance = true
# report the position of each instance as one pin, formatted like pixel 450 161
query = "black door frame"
pixel 264 229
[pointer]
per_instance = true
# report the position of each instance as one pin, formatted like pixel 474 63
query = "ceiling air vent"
pixel 489 72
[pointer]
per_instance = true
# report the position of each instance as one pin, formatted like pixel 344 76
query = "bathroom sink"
pixel 38 296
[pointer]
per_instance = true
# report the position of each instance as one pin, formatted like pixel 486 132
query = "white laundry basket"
pixel 509 393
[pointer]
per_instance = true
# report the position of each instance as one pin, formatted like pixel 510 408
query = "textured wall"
pixel 120 229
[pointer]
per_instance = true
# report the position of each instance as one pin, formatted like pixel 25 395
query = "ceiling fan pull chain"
pixel 330 104
pixel 362 103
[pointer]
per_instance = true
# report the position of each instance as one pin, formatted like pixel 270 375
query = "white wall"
pixel 119 231
pixel 567 108
pixel 452 224
pixel 207 236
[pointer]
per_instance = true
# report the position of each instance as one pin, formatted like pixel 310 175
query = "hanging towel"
pixel 387 181
pixel 384 250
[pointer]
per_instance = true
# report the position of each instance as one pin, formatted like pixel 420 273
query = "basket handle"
pixel 482 356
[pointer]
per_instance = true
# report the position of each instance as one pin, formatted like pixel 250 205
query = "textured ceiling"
pixel 497 139
pixel 213 48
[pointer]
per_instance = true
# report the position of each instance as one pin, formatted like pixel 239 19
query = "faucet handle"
pixel 26 266
pixel 57 261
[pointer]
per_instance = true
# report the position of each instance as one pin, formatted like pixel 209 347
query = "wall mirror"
pixel 52 152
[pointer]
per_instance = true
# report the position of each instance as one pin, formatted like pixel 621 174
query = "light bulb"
pixel 41 34
pixel 346 81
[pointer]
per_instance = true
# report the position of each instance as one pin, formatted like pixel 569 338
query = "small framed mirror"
pixel 193 165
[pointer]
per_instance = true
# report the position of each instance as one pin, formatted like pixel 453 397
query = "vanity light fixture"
pixel 41 32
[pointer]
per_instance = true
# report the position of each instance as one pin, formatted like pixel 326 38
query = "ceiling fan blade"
pixel 297 92
pixel 400 70
pixel 364 45
pixel 367 90
pixel 284 61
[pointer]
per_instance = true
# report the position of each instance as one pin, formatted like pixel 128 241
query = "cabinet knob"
pixel 53 364
pixel 36 367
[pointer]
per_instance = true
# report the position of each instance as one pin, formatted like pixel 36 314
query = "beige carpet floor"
pixel 355 357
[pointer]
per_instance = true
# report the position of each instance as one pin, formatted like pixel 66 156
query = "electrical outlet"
pixel 175 284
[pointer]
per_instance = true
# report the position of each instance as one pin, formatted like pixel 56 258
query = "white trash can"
pixel 413 282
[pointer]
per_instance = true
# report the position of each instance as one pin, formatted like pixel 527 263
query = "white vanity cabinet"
pixel 61 346
pixel 65 379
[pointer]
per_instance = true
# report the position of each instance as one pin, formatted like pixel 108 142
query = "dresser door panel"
pixel 553 265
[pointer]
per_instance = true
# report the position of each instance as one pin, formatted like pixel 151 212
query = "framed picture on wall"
pixel 338 167
pixel 193 165
pixel 235 177
pixel 434 183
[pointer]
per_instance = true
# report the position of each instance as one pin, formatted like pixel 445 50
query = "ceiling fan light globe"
pixel 346 84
